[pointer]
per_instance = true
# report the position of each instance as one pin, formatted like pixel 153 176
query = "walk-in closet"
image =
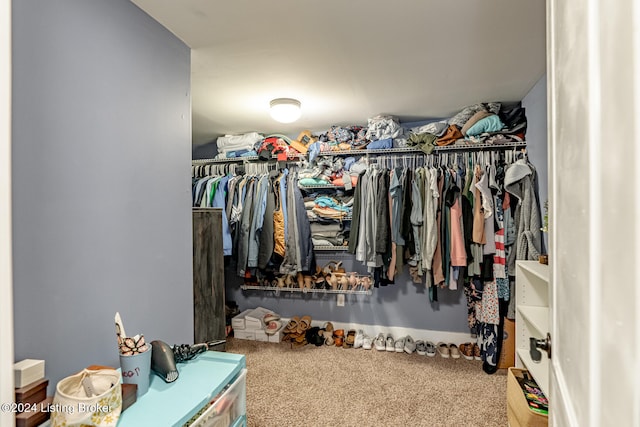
pixel 332 213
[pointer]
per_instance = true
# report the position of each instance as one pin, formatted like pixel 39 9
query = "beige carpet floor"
pixel 333 386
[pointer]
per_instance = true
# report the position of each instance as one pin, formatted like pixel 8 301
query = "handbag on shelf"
pixel 88 398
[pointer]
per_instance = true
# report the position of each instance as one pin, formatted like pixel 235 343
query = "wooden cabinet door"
pixel 208 276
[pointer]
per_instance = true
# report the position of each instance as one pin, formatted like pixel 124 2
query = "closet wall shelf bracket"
pixel 306 290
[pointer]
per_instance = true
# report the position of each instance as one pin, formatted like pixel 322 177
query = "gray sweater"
pixel 519 181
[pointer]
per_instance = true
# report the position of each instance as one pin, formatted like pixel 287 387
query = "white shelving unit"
pixel 532 317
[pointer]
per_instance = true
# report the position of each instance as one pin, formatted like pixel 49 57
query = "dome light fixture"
pixel 285 110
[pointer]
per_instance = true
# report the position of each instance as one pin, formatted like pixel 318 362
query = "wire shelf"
pixel 331 248
pixel 466 145
pixel 243 159
pixel 306 290
pixel 318 187
pixel 460 146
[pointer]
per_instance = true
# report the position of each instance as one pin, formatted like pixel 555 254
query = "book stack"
pixel 32 405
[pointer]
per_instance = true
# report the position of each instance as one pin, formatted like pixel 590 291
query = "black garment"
pixel 406 228
pixel 486 268
pixel 355 231
pixel 245 225
pixel 514 118
pixel 503 306
pixel 383 226
pixel 467 223
pixel 266 236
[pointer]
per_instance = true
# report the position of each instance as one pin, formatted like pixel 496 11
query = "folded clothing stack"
pixel 238 145
pixel 330 233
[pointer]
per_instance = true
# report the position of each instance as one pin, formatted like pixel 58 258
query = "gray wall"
pixel 101 181
pixel 535 104
pixel 403 305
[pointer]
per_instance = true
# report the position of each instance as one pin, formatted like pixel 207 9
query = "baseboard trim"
pixel 397 332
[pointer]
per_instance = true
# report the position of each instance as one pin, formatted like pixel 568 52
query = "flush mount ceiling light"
pixel 285 110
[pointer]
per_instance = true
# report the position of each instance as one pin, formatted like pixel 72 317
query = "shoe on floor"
pixel 476 352
pixel 421 348
pixel 467 350
pixel 409 345
pixel 379 342
pixel 443 350
pixel 453 350
pixel 399 345
pixel 391 344
pixel 431 348
pixel 367 341
pixel 357 343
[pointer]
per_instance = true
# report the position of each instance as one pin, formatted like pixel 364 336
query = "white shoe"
pixel 391 344
pixel 409 345
pixel 357 342
pixel 366 342
pixel 399 345
pixel 379 342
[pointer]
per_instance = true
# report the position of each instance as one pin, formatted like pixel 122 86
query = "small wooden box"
pixel 508 353
pixel 37 416
pixel 32 393
pixel 518 412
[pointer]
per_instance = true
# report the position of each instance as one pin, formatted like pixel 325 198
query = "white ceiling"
pixel 349 60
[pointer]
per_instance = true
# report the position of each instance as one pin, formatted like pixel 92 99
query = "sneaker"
pixel 366 342
pixel 421 348
pixel 453 351
pixel 399 345
pixel 357 343
pixel 409 345
pixel 379 342
pixel 443 350
pixel 431 348
pixel 467 350
pixel 391 344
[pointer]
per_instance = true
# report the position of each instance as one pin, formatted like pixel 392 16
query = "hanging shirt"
pixel 219 202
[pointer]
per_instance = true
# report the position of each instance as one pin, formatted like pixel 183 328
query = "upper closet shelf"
pixel 242 159
pixel 454 147
pixel 467 146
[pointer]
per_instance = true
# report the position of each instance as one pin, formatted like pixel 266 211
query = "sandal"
pixel 307 282
pixel 333 267
pixel 338 337
pixel 328 333
pixel 269 317
pixel 344 282
pixel 300 280
pixel 288 280
pixel 292 326
pixel 351 337
pixel 305 323
pixel 353 280
pixel 333 280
